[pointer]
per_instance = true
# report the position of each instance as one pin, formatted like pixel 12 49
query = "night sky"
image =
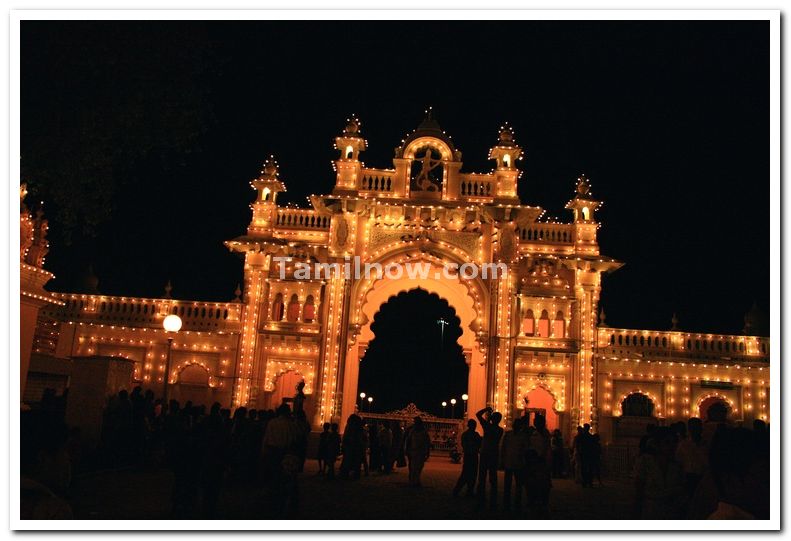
pixel 141 139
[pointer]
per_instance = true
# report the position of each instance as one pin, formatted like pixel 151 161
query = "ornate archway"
pixel 467 297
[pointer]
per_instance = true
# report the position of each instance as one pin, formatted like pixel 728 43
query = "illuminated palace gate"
pixel 532 333
pixel 527 325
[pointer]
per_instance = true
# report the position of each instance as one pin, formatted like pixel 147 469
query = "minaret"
pixel 583 205
pixel 348 166
pixel 32 278
pixel 506 153
pixel 268 185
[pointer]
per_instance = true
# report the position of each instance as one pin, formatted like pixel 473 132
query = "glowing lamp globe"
pixel 453 401
pixel 444 404
pixel 465 397
pixel 362 395
pixel 370 399
pixel 172 323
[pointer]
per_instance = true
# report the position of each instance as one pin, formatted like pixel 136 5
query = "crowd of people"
pixel 703 470
pixel 686 470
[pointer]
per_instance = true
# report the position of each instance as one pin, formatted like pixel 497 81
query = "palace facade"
pixel 531 338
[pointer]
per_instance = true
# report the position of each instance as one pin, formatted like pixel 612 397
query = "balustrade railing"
pixel 547 233
pixel 140 312
pixel 674 343
pixel 301 219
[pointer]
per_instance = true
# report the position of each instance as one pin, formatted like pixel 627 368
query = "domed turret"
pixel 350 143
pixel 268 185
pixel 505 154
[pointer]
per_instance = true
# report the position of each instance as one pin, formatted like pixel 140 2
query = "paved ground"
pixel 146 495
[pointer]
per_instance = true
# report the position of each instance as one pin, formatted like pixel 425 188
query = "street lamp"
pixel 453 408
pixel 465 397
pixel 171 324
pixel 444 408
pixel 362 401
pixel 370 400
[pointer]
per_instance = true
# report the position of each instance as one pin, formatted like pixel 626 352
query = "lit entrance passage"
pixel 414 357
pixel 540 401
pixel 193 386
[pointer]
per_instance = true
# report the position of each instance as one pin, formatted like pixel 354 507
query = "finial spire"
pixel 168 289
pixel 674 322
pixel 238 293
pixel 602 318
pixel 583 185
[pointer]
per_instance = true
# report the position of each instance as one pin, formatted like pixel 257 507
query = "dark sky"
pixel 141 139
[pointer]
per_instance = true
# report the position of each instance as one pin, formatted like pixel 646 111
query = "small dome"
pixel 270 170
pixel 506 136
pixel 429 127
pixel 352 127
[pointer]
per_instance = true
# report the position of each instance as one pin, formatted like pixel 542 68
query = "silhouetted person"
pixel 539 478
pixel 716 416
pixel 366 444
pixel 692 454
pixel 418 449
pixel 353 447
pixel 470 446
pixel 211 442
pixel 323 440
pixel 516 443
pixel 386 447
pixel 646 440
pixel 740 470
pixel 489 458
pixel 558 454
pixel 397 448
pixel 332 450
pixel 282 462
pixel 45 466
pixel 586 451
pixel 659 479
pixel 576 458
pixel 298 401
pixel 301 444
pixel 375 455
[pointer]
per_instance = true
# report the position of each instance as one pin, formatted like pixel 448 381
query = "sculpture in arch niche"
pixel 427 170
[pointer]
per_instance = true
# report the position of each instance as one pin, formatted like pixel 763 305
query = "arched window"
pixel 309 311
pixel 637 405
pixel 293 308
pixel 277 307
pixel 543 325
pixel 529 324
pixel 559 326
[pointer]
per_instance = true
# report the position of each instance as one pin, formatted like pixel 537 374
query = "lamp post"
pixel 444 408
pixel 171 324
pixel 464 398
pixel 362 401
pixel 370 401
pixel 453 408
